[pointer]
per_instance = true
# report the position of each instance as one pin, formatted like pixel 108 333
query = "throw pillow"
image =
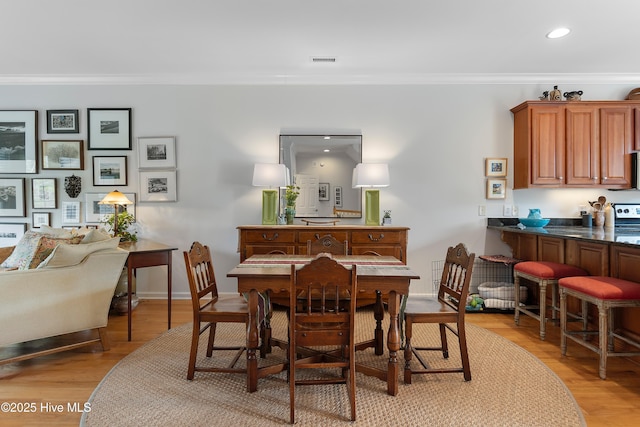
pixel 23 252
pixel 95 236
pixel 46 245
pixel 55 232
pixel 66 255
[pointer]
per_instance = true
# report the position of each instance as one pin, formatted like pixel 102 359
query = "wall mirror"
pixel 322 166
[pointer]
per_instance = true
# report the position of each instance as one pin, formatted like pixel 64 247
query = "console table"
pixel 146 253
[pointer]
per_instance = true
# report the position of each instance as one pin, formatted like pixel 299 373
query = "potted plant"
pixel 386 219
pixel 291 195
pixel 125 219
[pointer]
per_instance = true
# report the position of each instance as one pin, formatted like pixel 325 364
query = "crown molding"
pixel 324 79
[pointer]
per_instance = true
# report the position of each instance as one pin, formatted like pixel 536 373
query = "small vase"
pixel 290 213
pixel 598 218
pixel 535 213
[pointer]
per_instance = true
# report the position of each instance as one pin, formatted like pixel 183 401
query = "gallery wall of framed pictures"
pixel 87 149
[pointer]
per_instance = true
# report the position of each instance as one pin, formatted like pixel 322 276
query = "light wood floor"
pixel 70 377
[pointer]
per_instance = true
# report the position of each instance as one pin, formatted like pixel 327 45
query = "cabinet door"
pixel 593 257
pixel 547 145
pixel 583 146
pixel 616 141
pixel 550 249
pixel 636 138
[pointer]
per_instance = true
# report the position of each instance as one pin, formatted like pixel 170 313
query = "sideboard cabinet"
pixel 292 239
pixel 575 143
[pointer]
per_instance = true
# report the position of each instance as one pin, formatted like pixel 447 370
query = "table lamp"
pixel 269 175
pixel 371 175
pixel 116 199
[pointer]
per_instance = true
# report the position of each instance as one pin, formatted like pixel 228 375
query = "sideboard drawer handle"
pixel 373 239
pixel 264 236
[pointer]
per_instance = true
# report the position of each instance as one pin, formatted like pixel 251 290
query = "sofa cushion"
pixel 47 244
pixel 65 255
pixel 56 232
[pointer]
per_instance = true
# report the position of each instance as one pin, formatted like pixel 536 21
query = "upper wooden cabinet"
pixel 575 144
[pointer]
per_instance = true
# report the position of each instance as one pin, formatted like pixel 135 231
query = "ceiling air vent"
pixel 323 59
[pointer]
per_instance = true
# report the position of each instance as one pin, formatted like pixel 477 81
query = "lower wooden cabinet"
pixel 292 239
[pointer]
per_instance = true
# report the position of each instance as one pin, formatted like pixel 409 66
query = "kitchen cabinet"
pixel 551 249
pixel 575 144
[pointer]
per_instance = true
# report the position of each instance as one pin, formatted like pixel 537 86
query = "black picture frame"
pixel 61 155
pixel 109 128
pixel 110 171
pixel 19 141
pixel 12 197
pixel 62 121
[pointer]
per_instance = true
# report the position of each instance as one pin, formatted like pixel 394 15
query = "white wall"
pixel 435 139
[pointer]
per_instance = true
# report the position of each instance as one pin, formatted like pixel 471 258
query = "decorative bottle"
pixel 609 216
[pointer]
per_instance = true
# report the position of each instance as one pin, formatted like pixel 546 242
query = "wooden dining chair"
pixel 202 284
pixel 324 324
pixel 447 309
pixel 327 244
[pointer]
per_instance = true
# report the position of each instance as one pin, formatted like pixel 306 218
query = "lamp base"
pixel 372 207
pixel 269 207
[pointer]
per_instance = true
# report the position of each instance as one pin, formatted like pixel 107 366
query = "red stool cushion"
pixel 549 270
pixel 602 287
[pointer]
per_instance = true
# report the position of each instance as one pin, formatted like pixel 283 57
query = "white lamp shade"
pixel 371 175
pixel 269 175
pixel 115 198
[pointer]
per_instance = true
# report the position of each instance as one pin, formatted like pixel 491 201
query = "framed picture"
pixel 18 139
pixel 337 196
pixel 109 170
pixel 323 191
pixel 12 201
pixel 70 212
pixel 109 128
pixel 10 234
pixel 496 188
pixel 62 121
pixel 495 167
pixel 43 193
pixel 40 218
pixel 157 152
pixel 94 212
pixel 158 186
pixel 62 155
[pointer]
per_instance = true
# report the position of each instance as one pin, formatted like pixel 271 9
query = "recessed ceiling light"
pixel 558 32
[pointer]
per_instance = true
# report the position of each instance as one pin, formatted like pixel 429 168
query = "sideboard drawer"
pixel 375 236
pixel 340 236
pixel 270 236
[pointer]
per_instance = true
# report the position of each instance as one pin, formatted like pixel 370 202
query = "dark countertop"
pixel 572 229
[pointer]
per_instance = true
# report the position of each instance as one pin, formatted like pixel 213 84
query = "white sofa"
pixel 70 291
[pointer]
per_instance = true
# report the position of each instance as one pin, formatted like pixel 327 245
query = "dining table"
pixel 385 276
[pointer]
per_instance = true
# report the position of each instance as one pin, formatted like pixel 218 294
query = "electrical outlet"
pixel 515 211
pixel 482 210
pixel 507 210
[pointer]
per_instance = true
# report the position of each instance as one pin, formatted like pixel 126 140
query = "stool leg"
pixel 543 308
pixel 516 290
pixel 604 338
pixel 611 328
pixel 563 322
pixel 554 299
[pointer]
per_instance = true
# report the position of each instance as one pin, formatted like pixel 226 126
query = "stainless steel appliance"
pixel 627 222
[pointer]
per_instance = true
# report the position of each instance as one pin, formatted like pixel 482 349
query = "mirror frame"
pixel 348 208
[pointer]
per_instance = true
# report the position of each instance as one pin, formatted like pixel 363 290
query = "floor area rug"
pixel 509 387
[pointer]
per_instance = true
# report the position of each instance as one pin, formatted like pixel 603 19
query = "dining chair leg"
pixel 443 341
pixel 212 338
pixel 464 354
pixel 408 351
pixel 195 336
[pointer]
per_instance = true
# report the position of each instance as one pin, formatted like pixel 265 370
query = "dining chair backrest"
pixel 202 280
pixel 322 321
pixel 456 277
pixel 327 244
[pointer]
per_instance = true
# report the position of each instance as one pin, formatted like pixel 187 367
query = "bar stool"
pixel 543 273
pixel 606 293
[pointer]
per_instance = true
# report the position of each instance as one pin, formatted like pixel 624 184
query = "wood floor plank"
pixel 69 378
